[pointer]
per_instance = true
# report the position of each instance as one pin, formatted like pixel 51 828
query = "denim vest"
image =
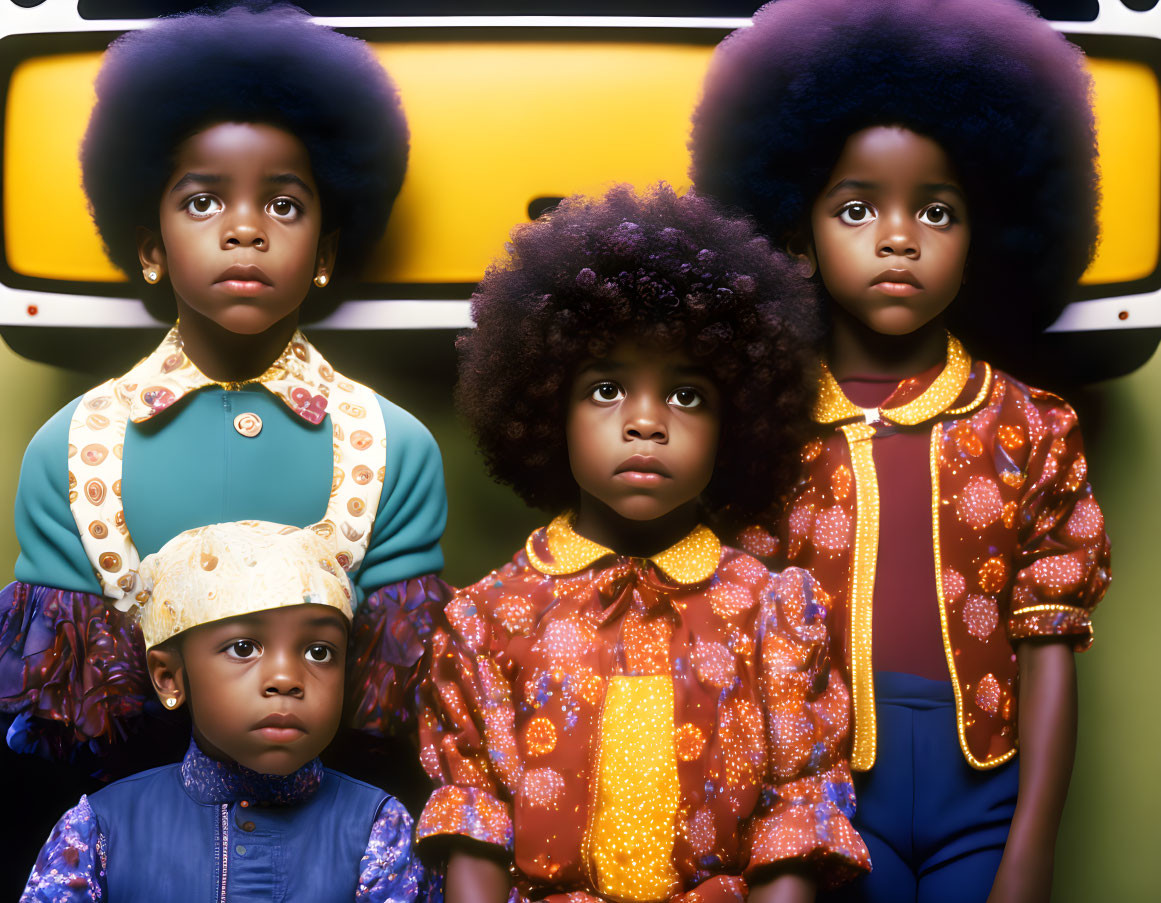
pixel 165 845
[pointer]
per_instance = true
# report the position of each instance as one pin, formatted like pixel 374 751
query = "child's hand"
pixel 476 875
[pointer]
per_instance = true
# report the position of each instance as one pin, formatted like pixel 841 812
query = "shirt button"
pixel 248 425
pixel 240 850
pixel 247 826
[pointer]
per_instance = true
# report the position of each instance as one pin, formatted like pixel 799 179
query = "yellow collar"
pixel 300 376
pixel 834 406
pixel 557 550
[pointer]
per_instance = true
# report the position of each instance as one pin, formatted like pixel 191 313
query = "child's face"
pixel 891 230
pixel 642 432
pixel 240 227
pixel 264 689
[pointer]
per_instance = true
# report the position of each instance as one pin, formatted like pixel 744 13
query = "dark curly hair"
pixel 1004 96
pixel 255 63
pixel 673 273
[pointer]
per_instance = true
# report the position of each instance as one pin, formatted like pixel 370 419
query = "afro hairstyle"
pixel 990 82
pixel 256 63
pixel 668 272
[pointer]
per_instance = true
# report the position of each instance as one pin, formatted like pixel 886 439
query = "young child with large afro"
pixel 934 162
pixel 237 163
pixel 261 62
pixel 639 364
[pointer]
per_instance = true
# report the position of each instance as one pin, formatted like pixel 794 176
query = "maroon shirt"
pixel 906 632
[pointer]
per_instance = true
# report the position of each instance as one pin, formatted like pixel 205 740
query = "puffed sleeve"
pixel 412 507
pixel 72 863
pixel 389 871
pixel 467 728
pixel 401 596
pixel 71 667
pixel 808 798
pixel 1062 565
pixel 388 635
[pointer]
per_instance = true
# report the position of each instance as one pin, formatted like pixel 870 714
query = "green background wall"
pixel 1108 846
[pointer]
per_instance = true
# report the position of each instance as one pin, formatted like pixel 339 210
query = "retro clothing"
pixel 1019 543
pixel 164 449
pixel 635 729
pixel 206 830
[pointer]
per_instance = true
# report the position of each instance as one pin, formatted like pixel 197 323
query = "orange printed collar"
pixel 937 399
pixel 300 377
pixel 557 550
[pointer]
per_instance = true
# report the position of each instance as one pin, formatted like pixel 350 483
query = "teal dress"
pixel 72 665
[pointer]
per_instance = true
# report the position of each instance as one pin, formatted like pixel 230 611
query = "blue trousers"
pixel 935 826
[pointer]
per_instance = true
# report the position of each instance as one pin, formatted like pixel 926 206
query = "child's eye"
pixel 856 213
pixel 685 397
pixel 203 205
pixel 607 392
pixel 936 215
pixel 242 649
pixel 319 653
pixel 283 208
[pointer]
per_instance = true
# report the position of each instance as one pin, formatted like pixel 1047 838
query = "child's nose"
pixel 897 236
pixel 646 421
pixel 282 678
pixel 244 229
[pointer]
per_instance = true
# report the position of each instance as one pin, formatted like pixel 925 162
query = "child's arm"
pixel 389 871
pixel 469 814
pixel 1047 726
pixel 784 887
pixel 1063 573
pixel 804 829
pixel 475 875
pixel 71 864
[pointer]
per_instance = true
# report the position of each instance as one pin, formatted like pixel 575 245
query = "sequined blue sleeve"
pixel 71 865
pixel 390 872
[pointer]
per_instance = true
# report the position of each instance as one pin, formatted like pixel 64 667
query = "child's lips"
pixel 245 280
pixel 244 288
pixel 642 470
pixel 896 289
pixel 897 282
pixel 280 727
pixel 280 734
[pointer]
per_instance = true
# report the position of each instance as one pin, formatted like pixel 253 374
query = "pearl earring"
pixel 321 279
pixel 170 702
pixel 151 276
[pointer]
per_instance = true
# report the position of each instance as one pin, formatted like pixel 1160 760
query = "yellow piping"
pixel 862 590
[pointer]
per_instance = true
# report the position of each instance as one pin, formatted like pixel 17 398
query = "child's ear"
pixel 167 671
pixel 151 253
pixel 801 248
pixel 324 267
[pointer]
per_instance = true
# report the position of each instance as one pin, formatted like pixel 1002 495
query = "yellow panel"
pixel 497 124
pixel 1128 114
pixel 47 228
pixel 493 126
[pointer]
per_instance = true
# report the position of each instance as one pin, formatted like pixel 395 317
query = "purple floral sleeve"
pixel 390 872
pixel 388 636
pixel 71 865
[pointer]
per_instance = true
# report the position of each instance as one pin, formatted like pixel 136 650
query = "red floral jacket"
pixel 1020 543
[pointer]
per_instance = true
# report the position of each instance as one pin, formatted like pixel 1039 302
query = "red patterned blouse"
pixel 637 729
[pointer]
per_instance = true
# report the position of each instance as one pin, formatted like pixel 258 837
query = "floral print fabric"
pixel 514 714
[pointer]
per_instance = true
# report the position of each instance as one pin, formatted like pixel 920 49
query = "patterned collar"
pixel 557 550
pixel 207 780
pixel 950 394
pixel 300 376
